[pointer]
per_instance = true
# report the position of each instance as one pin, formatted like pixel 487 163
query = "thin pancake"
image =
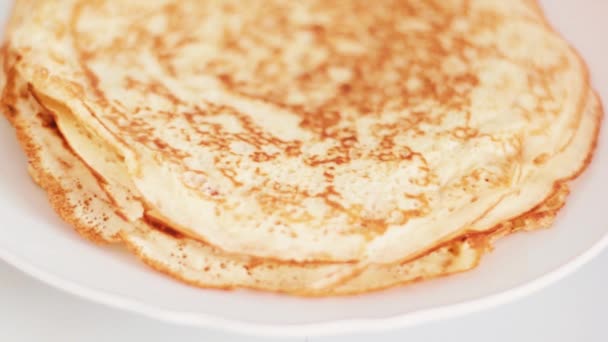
pixel 373 139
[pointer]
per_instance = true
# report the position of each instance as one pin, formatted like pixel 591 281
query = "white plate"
pixel 34 240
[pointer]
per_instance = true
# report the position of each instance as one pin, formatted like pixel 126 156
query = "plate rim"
pixel 328 328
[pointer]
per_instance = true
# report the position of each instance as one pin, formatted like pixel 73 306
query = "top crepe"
pixel 312 130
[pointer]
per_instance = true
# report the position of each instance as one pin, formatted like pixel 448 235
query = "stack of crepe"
pixel 306 147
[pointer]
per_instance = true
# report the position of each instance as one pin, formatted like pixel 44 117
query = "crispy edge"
pixel 480 241
pixel 56 194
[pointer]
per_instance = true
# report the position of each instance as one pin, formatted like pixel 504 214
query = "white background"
pixel 572 310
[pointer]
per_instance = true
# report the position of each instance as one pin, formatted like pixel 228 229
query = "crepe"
pixel 314 147
pixel 381 133
pixel 75 193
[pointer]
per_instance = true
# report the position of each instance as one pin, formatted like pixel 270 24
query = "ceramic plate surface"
pixel 35 240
